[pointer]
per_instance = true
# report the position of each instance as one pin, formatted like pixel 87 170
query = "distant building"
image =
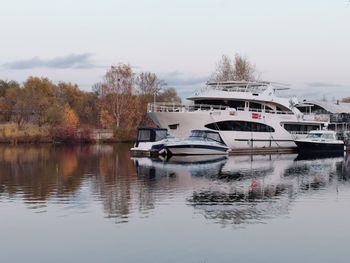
pixel 336 113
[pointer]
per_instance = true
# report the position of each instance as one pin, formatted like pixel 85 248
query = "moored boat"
pixel 200 142
pixel 320 141
pixel 150 141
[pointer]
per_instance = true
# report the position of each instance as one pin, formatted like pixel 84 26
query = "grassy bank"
pixel 27 133
pixel 30 133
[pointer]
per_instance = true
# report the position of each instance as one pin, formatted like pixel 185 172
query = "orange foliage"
pixel 70 117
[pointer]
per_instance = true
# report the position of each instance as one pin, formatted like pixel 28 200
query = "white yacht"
pixel 247 115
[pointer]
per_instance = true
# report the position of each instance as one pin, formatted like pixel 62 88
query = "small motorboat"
pixel 150 141
pixel 200 142
pixel 320 141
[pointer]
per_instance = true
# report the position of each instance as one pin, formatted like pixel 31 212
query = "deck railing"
pixel 175 107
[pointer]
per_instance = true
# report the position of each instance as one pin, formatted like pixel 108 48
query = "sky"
pixel 302 43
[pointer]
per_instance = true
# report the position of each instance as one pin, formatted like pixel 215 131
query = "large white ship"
pixel 246 114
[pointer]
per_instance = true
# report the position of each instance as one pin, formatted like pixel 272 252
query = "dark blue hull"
pixel 319 147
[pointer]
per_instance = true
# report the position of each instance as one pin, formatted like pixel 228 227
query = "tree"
pixel 241 70
pixel 37 96
pixel 169 95
pixel 70 117
pixel 224 69
pixel 148 84
pixel 148 87
pixel 8 99
pixel 83 103
pixel 115 93
pixel 6 85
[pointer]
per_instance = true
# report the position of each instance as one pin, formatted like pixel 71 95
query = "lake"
pixel 96 203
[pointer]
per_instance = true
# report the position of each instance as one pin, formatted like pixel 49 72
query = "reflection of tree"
pixel 40 174
pixel 37 173
pixel 115 180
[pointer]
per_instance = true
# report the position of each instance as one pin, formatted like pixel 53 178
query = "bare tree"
pixel 224 70
pixel 241 70
pixel 115 93
pixel 148 83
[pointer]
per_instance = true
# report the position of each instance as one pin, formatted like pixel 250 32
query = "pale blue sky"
pixel 297 42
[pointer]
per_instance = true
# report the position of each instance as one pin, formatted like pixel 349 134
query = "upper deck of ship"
pixel 245 86
pixel 241 90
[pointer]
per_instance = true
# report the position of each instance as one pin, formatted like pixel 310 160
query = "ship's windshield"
pixel 206 136
pixel 314 135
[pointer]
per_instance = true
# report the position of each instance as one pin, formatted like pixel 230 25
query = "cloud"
pixel 319 90
pixel 71 61
pixel 177 78
pixel 184 83
pixel 323 84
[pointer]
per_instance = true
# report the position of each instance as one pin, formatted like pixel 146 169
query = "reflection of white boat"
pixel 201 165
pixel 320 141
pixel 149 141
pixel 195 159
pixel 199 142
pixel 240 189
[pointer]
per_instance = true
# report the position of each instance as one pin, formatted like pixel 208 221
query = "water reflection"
pixel 227 190
pixel 249 189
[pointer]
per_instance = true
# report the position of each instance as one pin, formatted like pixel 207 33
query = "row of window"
pixel 238 104
pixel 301 127
pixel 245 126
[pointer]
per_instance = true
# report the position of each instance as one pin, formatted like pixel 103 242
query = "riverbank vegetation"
pixel 41 111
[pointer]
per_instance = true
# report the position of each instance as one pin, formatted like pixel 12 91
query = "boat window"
pixel 160 134
pixel 314 135
pixel 254 105
pixel 268 108
pixel 245 126
pixel 303 128
pixel 144 135
pixel 328 136
pixel 151 135
pixel 173 126
pixel 230 103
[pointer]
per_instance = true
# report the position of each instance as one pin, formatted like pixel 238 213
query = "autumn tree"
pixel 37 95
pixel 6 85
pixel 240 70
pixel 70 117
pixel 9 91
pixel 83 103
pixel 115 95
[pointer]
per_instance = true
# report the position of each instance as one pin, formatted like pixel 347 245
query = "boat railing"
pixel 299 132
pixel 176 107
pixel 316 117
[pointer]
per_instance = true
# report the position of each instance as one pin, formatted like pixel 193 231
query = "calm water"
pixel 97 204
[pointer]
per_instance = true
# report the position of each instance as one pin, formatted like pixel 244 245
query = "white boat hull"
pixel 196 150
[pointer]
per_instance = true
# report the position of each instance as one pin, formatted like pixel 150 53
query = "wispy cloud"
pixel 184 83
pixel 323 84
pixel 177 78
pixel 70 61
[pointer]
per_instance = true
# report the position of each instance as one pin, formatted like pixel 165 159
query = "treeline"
pixel 118 102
